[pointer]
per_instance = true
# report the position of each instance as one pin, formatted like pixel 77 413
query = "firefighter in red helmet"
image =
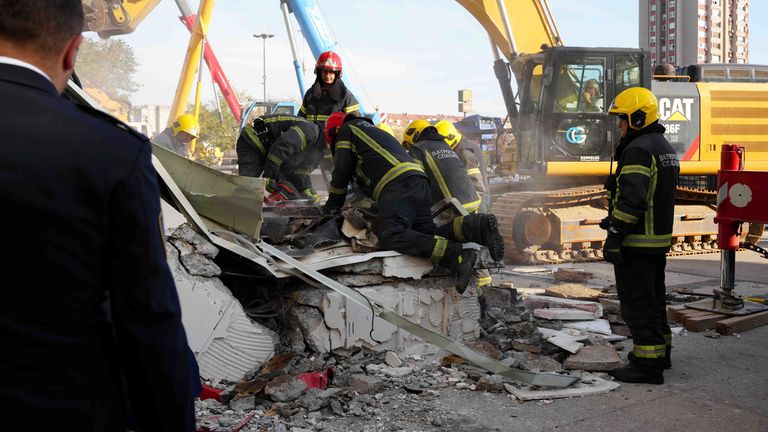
pixel 328 94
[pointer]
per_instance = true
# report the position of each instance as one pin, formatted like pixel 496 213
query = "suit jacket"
pixel 94 310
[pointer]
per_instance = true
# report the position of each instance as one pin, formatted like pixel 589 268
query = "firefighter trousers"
pixel 405 222
pixel 642 292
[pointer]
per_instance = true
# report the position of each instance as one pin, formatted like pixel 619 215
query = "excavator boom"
pixel 115 17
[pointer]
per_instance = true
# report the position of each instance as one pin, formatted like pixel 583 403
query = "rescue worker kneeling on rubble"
pixel 639 224
pixel 471 155
pixel 177 137
pixel 385 171
pixel 281 147
pixel 448 179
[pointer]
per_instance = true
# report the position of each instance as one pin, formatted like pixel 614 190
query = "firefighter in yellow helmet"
pixel 385 127
pixel 472 156
pixel 639 225
pixel 412 132
pixel 178 136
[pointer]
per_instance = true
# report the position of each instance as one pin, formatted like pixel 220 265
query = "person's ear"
pixel 70 53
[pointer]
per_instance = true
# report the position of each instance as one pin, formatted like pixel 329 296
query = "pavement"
pixel 714 385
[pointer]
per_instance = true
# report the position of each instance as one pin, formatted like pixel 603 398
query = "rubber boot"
pixel 483 229
pixel 636 375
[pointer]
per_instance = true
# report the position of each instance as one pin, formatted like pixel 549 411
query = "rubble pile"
pixel 357 388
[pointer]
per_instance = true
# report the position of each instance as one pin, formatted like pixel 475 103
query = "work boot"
pixel 465 269
pixel 484 229
pixel 634 374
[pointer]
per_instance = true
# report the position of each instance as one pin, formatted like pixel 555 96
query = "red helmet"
pixel 334 121
pixel 328 60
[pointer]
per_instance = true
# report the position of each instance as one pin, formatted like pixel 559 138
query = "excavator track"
pixel 519 213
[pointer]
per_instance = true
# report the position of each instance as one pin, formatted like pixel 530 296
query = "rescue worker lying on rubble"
pixel 471 155
pixel 282 148
pixel 385 171
pixel 448 178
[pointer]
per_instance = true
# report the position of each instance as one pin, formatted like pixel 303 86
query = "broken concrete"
pixel 600 326
pixel 563 314
pixel 365 384
pixel 573 291
pixel 392 360
pixel 563 340
pixel 228 345
pixel 284 388
pixel 590 385
pixel 594 358
pixel 541 302
pixel 572 275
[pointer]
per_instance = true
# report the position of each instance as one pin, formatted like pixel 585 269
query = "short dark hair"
pixel 42 25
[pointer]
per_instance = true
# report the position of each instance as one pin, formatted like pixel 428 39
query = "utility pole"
pixel 264 37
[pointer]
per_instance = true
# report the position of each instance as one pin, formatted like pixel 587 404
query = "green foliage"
pixel 109 65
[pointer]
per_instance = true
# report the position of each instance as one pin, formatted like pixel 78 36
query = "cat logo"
pixel 675 110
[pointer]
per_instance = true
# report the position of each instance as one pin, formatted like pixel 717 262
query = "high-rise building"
pixel 684 32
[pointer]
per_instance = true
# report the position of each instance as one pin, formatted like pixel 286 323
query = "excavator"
pixel 565 139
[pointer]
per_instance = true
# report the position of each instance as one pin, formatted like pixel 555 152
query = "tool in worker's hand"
pixel 284 194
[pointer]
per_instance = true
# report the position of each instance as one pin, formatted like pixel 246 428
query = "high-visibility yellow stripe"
pixel 473 171
pixel 276 160
pixel 281 118
pixel 636 169
pixel 337 191
pixel 649 351
pixel 374 145
pixel 393 174
pixel 624 217
pixel 472 207
pixel 343 145
pixel 649 228
pixel 318 117
pixel 646 240
pixel 302 109
pixel 251 134
pixel 438 251
pixel 352 108
pixel 484 281
pixel 438 176
pixel 301 135
pixel 457 231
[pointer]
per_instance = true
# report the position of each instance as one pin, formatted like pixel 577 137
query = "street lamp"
pixel 264 37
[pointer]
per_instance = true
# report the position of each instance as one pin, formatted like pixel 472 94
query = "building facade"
pixel 684 32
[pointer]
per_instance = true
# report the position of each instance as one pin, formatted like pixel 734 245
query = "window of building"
pixel 701 57
pixel 671 25
pixel 653 39
pixel 715 59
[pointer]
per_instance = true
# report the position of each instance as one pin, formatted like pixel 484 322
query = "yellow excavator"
pixel 565 137
pixel 565 140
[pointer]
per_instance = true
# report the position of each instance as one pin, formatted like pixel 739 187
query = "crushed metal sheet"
pixel 233 201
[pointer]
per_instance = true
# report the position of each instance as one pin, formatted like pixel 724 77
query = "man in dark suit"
pixel 94 324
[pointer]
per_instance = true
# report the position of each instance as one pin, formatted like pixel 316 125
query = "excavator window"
pixel 580 87
pixel 627 72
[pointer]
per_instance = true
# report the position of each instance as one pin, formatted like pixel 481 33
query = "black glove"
pixel 612 249
pixel 329 210
pixel 605 223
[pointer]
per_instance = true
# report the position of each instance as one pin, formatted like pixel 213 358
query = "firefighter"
pixel 448 179
pixel 470 153
pixel 386 172
pixel 327 95
pixel 177 137
pixel 639 225
pixel 282 148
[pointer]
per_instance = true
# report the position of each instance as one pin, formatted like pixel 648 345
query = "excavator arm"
pixel 515 26
pixel 115 17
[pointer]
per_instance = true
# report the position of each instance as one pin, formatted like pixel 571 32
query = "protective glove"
pixel 330 210
pixel 605 223
pixel 271 184
pixel 612 249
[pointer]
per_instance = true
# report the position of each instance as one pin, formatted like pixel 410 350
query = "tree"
pixel 108 65
pixel 214 132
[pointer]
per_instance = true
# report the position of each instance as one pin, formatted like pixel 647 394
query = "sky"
pixel 403 56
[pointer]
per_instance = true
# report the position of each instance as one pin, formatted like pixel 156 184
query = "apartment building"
pixel 684 32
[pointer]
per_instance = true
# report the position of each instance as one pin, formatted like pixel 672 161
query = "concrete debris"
pixel 540 302
pixel 535 363
pixel 594 358
pixel 590 385
pixel 200 265
pixel 227 344
pixel 563 314
pixel 393 360
pixel 563 340
pixel 397 372
pixel 365 384
pixel 595 326
pixel 572 275
pixel 284 388
pixel 610 306
pixel 573 291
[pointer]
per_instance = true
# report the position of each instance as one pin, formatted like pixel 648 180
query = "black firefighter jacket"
pixel 276 142
pixel 448 177
pixel 319 103
pixel 96 308
pixel 642 193
pixel 371 156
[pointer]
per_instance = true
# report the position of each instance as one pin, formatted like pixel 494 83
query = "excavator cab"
pixel 565 93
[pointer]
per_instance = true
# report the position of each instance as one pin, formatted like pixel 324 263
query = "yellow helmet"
pixel 638 104
pixel 186 123
pixel 413 130
pixel 385 127
pixel 448 130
